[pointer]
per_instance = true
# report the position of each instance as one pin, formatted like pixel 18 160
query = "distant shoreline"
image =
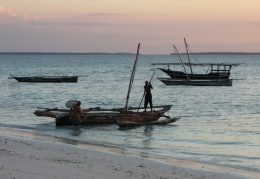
pixel 224 53
pixel 84 53
pixel 128 53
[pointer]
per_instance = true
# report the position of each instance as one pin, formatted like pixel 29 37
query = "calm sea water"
pixel 219 125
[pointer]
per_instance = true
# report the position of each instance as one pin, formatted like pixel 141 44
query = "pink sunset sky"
pixel 118 26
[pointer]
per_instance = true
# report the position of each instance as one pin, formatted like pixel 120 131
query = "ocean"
pixel 218 125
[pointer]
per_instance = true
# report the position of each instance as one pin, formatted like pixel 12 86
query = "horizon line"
pixel 130 53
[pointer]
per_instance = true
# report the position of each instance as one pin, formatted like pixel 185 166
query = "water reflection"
pixel 148 132
pixel 127 128
pixel 76 131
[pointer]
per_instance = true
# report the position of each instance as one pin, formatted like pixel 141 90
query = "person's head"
pixel 78 103
pixel 146 82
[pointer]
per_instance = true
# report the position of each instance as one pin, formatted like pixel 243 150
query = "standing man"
pixel 148 95
pixel 76 110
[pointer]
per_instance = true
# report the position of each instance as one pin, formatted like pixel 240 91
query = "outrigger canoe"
pixel 106 116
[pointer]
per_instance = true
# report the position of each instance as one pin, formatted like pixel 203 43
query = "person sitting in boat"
pixel 148 96
pixel 76 110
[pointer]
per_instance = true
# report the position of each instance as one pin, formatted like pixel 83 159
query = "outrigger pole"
pixel 132 78
pixel 186 46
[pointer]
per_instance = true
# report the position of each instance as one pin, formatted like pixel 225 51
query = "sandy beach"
pixel 23 157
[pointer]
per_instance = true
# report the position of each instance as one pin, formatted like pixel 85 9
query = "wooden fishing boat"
pixel 121 116
pixel 192 82
pixel 215 71
pixel 104 116
pixel 47 79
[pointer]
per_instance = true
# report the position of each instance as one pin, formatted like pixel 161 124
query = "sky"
pixel 118 26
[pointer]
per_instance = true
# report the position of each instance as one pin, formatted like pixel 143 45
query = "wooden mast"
pixel 181 62
pixel 132 78
pixel 186 46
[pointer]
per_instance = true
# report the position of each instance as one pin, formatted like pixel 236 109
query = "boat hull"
pixel 181 75
pixel 110 119
pixel 58 79
pixel 63 118
pixel 219 82
pixel 157 122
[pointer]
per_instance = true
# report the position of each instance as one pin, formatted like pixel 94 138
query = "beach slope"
pixel 25 158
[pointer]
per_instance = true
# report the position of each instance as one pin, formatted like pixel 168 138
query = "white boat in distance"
pixel 217 74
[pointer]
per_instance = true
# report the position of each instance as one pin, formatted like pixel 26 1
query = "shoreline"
pixel 22 150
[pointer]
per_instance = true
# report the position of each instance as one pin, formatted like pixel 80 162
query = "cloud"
pixel 28 16
pixel 8 12
pixel 8 16
pixel 88 20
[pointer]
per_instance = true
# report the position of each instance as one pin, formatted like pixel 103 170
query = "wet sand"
pixel 26 155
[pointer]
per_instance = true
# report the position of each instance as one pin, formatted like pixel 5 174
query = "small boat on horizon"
pixel 47 79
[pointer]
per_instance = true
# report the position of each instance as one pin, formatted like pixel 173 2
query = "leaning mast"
pixel 181 61
pixel 132 78
pixel 186 46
